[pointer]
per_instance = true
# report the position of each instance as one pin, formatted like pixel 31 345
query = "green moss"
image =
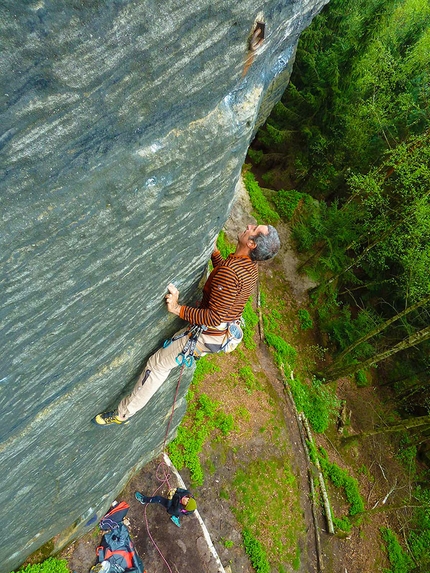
pixel 263 212
pixel 51 565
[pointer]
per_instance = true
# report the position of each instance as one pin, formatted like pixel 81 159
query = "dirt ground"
pixel 164 547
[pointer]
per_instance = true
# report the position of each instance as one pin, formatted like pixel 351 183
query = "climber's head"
pixel 262 242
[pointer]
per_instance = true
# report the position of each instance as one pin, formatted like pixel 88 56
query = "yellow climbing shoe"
pixel 108 418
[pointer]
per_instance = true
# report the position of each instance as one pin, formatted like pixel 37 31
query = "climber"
pixel 179 502
pixel 225 293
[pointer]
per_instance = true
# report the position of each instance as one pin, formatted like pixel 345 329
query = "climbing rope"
pixel 164 478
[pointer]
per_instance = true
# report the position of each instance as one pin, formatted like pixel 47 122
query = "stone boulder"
pixel 125 125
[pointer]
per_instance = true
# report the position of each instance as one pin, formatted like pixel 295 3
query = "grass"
pixel 305 319
pixel 264 508
pixel 262 210
pixel 340 478
pixel 399 560
pixel 51 565
pixel 205 419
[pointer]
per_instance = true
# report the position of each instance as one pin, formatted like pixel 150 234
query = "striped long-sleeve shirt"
pixel 226 291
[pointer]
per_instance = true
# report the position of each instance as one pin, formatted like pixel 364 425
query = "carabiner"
pixel 183 360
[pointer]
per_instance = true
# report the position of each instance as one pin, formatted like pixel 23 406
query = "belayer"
pixel 180 502
pixel 213 327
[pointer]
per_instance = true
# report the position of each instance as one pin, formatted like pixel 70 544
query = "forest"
pixel 345 160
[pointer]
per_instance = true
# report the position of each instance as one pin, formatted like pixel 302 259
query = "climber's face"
pixel 246 237
pixel 185 500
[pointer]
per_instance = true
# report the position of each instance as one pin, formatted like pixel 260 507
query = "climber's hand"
pixel 172 299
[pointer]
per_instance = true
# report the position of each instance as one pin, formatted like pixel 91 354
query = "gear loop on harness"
pixel 186 356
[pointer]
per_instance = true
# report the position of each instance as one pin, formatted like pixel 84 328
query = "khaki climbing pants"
pixel 158 368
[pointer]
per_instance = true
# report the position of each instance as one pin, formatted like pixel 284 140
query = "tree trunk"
pixel 336 370
pixel 382 327
pixel 408 424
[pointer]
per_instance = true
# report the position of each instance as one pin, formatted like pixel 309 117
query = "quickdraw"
pixel 186 357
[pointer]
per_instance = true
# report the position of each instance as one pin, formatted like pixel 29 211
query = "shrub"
pixel 248 377
pixel 263 212
pixel 305 319
pixel 286 203
pixel 251 321
pixel 255 156
pixel 255 552
pixel 341 478
pixel 318 402
pixel 361 379
pixel 419 538
pixel 51 565
pixel 399 559
pixel 224 246
pixel 285 355
pixel 205 417
pixel 342 523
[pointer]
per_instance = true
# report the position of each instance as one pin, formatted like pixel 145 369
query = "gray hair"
pixel 267 245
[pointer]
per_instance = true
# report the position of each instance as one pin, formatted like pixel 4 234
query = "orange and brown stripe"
pixel 226 291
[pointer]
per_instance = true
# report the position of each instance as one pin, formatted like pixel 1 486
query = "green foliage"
pixel 341 479
pixel 51 565
pixel 205 417
pixel 263 212
pixel 204 367
pixel 256 156
pixel 419 537
pixel 399 559
pixel 344 329
pixel 269 505
pixel 228 543
pixel 224 246
pixel 318 402
pixel 360 84
pixel 361 379
pixel 285 354
pixel 251 320
pixel 342 523
pixel 286 202
pixel 255 552
pixel 248 377
pixel 305 319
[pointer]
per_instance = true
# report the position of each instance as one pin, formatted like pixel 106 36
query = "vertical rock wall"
pixel 124 126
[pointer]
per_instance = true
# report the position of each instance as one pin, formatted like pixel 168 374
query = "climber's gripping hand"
pixel 172 299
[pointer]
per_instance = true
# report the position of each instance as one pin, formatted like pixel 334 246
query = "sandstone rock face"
pixel 125 124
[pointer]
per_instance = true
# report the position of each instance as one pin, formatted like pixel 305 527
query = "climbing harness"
pixel 186 357
pixel 234 335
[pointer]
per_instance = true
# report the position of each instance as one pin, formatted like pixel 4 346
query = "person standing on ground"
pixel 225 294
pixel 181 503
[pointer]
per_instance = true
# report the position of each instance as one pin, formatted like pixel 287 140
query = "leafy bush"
pixel 251 321
pixel 205 417
pixel 255 552
pixel 263 212
pixel 224 246
pixel 285 355
pixel 255 156
pixel 399 559
pixel 248 377
pixel 51 565
pixel 318 402
pixel 286 202
pixel 342 523
pixel 203 368
pixel 361 379
pixel 419 538
pixel 341 478
pixel 305 319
